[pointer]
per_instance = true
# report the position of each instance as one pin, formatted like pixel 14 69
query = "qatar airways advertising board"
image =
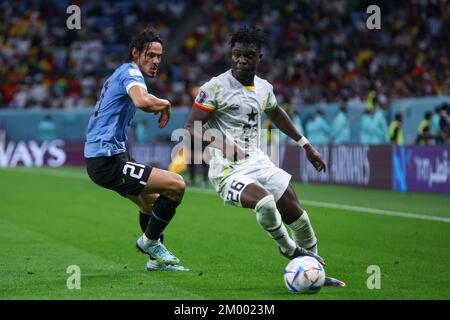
pixel 354 165
pixel 57 153
pixel 31 153
pixel 421 169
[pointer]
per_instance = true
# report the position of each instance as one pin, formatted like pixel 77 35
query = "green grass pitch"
pixel 53 218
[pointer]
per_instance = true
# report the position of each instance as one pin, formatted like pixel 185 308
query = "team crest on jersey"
pixel 134 72
pixel 202 96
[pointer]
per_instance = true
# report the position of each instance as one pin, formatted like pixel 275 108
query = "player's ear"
pixel 134 53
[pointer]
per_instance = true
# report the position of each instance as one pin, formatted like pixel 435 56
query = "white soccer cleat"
pixel 153 265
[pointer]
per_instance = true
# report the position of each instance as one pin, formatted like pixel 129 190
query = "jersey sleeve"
pixel 132 77
pixel 207 97
pixel 271 102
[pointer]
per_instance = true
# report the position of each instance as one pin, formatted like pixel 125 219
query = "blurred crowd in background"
pixel 322 51
pixel 44 64
pixel 374 129
pixel 319 51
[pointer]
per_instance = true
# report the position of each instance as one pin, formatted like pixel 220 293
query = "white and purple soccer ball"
pixel 304 275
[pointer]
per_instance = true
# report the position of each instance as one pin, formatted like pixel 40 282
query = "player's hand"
pixel 164 118
pixel 315 159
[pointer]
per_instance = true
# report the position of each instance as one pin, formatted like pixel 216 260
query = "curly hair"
pixel 249 36
pixel 141 39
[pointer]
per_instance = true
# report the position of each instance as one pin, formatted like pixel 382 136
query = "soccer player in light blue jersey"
pixel 156 192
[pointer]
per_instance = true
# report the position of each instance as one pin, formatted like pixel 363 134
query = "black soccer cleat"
pixel 301 252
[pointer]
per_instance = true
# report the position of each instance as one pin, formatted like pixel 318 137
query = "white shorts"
pixel 230 181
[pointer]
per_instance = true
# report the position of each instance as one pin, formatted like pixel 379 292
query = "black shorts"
pixel 119 173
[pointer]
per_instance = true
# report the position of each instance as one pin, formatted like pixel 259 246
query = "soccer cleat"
pixel 153 265
pixel 157 251
pixel 300 252
pixel 161 238
pixel 331 282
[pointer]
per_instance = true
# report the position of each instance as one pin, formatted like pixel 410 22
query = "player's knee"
pixel 290 200
pixel 177 184
pixel 291 196
pixel 180 184
pixel 266 204
pixel 266 211
pixel 252 194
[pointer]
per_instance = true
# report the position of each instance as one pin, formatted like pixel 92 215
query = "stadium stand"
pixel 320 51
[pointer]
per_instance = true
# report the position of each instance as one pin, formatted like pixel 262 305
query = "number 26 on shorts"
pixel 235 191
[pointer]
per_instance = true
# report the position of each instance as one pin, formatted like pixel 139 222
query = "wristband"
pixel 302 142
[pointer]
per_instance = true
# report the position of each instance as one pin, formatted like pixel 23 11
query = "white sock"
pixel 269 218
pixel 148 241
pixel 303 233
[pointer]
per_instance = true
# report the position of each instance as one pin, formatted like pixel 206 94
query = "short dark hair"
pixel 428 115
pixel 140 40
pixel 399 116
pixel 249 36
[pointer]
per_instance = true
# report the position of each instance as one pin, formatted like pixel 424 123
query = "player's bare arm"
pixel 149 103
pixel 196 132
pixel 281 119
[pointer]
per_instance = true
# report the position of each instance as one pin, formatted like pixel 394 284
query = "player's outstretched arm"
pixel 281 119
pixel 149 103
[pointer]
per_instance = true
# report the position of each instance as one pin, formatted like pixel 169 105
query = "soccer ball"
pixel 304 275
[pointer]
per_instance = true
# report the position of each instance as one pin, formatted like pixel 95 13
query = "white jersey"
pixel 236 111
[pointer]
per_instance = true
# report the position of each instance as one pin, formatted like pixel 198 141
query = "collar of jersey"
pixel 240 84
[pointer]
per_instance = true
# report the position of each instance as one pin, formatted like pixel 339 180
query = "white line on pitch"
pixel 320 204
pixel 357 209
pixel 375 211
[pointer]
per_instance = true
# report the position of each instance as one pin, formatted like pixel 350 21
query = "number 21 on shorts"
pixel 132 167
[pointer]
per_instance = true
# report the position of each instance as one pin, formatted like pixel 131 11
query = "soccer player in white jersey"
pixel 233 103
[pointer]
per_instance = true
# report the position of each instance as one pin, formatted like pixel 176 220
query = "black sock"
pixel 143 220
pixel 163 211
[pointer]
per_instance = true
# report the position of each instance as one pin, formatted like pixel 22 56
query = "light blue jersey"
pixel 108 125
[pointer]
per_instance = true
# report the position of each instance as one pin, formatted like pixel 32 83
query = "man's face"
pixel 244 60
pixel 149 58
